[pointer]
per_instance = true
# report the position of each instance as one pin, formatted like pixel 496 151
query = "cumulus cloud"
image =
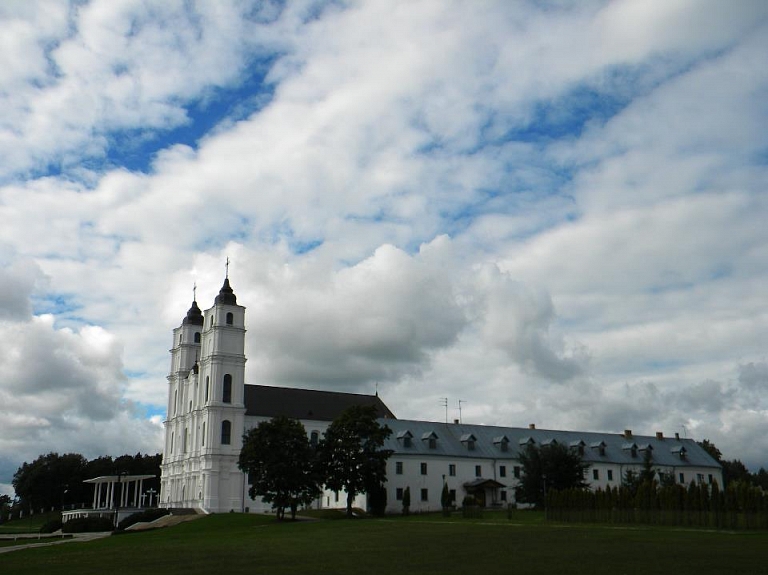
pixel 554 214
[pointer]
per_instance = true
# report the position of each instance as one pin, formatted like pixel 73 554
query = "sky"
pixel 553 212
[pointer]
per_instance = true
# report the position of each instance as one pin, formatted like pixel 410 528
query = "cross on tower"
pixel 227 270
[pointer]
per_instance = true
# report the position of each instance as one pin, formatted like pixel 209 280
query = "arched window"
pixel 313 437
pixel 226 432
pixel 230 318
pixel 207 387
pixel 226 393
pixel 197 337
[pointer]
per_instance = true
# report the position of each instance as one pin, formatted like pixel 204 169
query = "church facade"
pixel 210 407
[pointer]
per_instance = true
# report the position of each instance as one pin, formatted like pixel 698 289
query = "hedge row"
pixel 740 506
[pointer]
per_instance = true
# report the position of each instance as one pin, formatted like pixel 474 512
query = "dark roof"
pixel 267 401
pixel 226 294
pixel 194 315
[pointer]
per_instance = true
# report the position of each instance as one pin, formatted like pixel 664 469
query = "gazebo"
pixel 115 497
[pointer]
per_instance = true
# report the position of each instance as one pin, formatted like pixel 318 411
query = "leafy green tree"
pixel 278 458
pixel 712 449
pixel 5 507
pixel 407 501
pixel 352 455
pixel 548 467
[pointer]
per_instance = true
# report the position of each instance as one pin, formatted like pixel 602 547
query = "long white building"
pixel 210 407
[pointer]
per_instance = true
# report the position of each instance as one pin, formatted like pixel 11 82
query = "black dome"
pixel 226 295
pixel 194 316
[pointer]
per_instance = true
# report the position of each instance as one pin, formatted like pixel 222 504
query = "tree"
pixel 548 467
pixel 351 454
pixel 5 507
pixel 46 482
pixel 278 458
pixel 712 449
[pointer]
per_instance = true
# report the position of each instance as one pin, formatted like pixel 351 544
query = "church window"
pixel 203 433
pixel 226 395
pixel 226 432
pixel 313 438
pixel 207 387
pixel 171 442
pixel 230 318
pixel 398 467
pixel 184 445
pixel 197 337
pixel 175 400
pixel 425 494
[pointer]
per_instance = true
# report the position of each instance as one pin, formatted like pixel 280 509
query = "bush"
pixel 142 516
pixel 51 526
pixel 87 525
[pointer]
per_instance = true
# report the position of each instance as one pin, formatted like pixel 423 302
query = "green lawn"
pixel 233 543
pixel 31 524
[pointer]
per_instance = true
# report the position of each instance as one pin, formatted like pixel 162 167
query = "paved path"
pixel 53 540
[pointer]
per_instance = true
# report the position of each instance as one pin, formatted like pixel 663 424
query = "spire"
pixel 226 295
pixel 194 315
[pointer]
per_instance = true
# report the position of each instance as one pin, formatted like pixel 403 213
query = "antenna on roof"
pixel 444 402
pixel 460 402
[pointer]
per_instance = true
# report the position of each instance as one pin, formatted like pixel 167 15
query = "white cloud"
pixel 555 215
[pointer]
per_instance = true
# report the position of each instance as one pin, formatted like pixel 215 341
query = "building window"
pixel 516 471
pixel 230 318
pixel 226 393
pixel 478 470
pixel 596 474
pixel 203 433
pixel 314 438
pixel 423 468
pixel 710 478
pixel 502 470
pixel 610 475
pixel 452 469
pixel 699 478
pixel 197 337
pixel 425 494
pixel 406 441
pixel 226 432
pixel 682 478
pixel 452 495
pixel 503 495
pixel 432 443
pixel 398 467
pixel 185 441
pixel 399 493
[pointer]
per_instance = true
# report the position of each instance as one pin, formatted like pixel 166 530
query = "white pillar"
pixel 95 493
pixel 111 496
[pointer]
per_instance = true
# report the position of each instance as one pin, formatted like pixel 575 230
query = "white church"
pixel 210 407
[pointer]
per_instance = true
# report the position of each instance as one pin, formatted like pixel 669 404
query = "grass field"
pixel 233 543
pixel 31 524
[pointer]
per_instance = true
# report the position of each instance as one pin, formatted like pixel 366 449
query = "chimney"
pixel 456 421
pixel 531 426
pixel 677 436
pixel 660 435
pixel 628 433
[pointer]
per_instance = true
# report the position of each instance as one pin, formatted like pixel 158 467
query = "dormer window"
pixel 548 442
pixel 679 450
pixel 631 447
pixel 405 437
pixel 577 446
pixel 469 440
pixel 646 448
pixel 598 446
pixel 526 441
pixel 430 438
pixel 502 442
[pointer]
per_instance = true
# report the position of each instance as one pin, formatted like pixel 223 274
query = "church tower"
pixel 206 409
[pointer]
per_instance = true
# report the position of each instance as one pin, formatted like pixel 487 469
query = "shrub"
pixel 51 526
pixel 87 525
